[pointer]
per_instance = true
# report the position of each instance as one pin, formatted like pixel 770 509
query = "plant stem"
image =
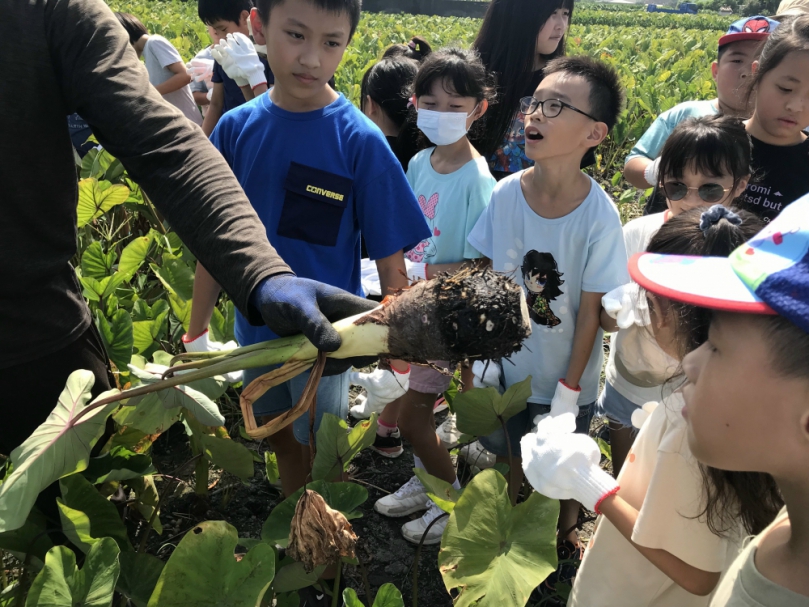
pixel 510 457
pixel 336 593
pixel 369 597
pixel 418 556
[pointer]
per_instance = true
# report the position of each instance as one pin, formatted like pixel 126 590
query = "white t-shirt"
pixel 451 205
pixel 157 54
pixel 661 479
pixel 582 251
pixel 637 367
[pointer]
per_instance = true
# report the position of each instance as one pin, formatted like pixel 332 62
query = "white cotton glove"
pixel 383 386
pixel 562 465
pixel 417 271
pixel 209 94
pixel 200 343
pixel 223 58
pixel 245 57
pixel 639 416
pixel 627 306
pixel 486 374
pixel 200 70
pixel 650 172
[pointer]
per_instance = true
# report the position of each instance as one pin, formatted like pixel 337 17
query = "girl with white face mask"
pixel 453 185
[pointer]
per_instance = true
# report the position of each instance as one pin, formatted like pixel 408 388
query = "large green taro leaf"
pixel 87 516
pixel 494 553
pixel 203 571
pixel 336 446
pixel 480 411
pixel 387 596
pixel 59 447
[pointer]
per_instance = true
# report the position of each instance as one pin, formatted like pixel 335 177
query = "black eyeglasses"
pixel 551 108
pixel 709 192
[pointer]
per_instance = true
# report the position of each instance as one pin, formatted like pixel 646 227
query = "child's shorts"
pixel 428 380
pixel 521 424
pixel 615 406
pixel 332 397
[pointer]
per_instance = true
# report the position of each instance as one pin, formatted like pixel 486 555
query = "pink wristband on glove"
pixel 400 372
pixel 597 507
pixel 188 340
pixel 565 384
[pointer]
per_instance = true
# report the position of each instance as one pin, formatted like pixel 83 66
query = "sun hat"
pixel 757 27
pixel 769 274
pixel 791 8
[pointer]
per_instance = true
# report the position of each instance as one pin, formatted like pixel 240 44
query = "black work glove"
pixel 290 305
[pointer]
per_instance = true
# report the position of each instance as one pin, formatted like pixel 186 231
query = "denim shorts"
pixel 615 406
pixel 332 397
pixel 521 424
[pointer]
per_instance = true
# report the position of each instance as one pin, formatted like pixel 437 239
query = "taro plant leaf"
pixel 30 539
pixel 149 416
pixel 139 575
pixel 62 584
pixel 117 336
pixel 202 407
pixel 147 499
pixel 287 599
pixel 212 387
pixel 441 492
pixel 388 595
pixel 95 263
pixel 203 571
pixel 87 516
pixel 228 455
pixel 95 199
pixel 495 550
pixel 292 576
pixel 336 448
pixel 133 256
pixel 479 411
pixel 118 464
pixel 59 447
pixel 181 309
pixel 345 497
pixel 271 467
pixel 176 276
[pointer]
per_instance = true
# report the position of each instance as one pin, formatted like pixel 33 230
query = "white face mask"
pixel 442 128
pixel 260 48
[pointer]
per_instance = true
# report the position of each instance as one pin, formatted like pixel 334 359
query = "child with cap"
pixel 737 50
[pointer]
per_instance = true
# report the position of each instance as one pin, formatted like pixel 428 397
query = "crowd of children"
pixel 461 157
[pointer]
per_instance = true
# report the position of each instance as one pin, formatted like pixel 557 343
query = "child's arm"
pixel 180 79
pixel 206 294
pixel 588 321
pixel 608 323
pixel 623 516
pixel 634 172
pixel 200 98
pixel 214 109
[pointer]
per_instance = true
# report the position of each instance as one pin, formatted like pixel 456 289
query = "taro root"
pixel 319 535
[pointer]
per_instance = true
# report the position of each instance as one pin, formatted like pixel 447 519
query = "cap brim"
pixel 708 282
pixel 741 37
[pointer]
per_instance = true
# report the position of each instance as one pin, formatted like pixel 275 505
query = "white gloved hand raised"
pixel 382 386
pixel 200 343
pixel 562 465
pixel 245 57
pixel 223 58
pixel 486 374
pixel 650 172
pixel 200 70
pixel 627 305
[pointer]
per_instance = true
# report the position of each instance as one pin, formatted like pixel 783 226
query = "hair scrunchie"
pixel 714 215
pixel 412 45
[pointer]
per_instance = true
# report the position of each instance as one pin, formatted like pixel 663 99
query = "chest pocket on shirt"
pixel 313 205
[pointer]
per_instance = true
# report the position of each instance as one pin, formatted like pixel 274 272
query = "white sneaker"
pixel 414 530
pixel 476 454
pixel 409 498
pixel 448 433
pixel 361 410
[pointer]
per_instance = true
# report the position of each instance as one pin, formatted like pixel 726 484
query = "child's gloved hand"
pixel 639 416
pixel 627 306
pixel 200 343
pixel 383 386
pixel 565 400
pixel 223 58
pixel 562 465
pixel 650 172
pixel 245 57
pixel 486 374
pixel 200 70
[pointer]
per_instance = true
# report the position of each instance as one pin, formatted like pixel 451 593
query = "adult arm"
pixel 206 294
pixel 186 178
pixel 180 79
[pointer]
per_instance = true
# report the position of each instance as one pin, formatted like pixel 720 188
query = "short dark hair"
pixel 711 145
pixel 133 26
pixel 338 7
pixel 211 11
pixel 606 90
pixel 460 68
pixel 418 49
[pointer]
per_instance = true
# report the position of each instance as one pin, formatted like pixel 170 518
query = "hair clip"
pixel 714 215
pixel 412 45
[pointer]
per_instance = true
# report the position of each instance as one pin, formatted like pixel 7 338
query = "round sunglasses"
pixel 709 192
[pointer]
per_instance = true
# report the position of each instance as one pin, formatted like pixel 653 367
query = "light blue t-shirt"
pixel 651 142
pixel 554 260
pixel 317 180
pixel 451 205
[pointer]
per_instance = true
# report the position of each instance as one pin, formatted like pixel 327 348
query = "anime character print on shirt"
pixel 542 281
pixel 426 249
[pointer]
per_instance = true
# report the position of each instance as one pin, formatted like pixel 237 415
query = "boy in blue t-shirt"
pixel 559 233
pixel 319 174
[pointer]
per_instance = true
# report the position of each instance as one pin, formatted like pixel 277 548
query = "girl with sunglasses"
pixel 705 161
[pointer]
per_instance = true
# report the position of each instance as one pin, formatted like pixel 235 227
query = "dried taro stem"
pixel 319 535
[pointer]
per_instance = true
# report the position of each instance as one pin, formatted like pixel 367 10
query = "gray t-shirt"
pixel 158 54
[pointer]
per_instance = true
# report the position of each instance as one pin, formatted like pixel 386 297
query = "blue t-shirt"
pixel 651 142
pixel 317 180
pixel 233 94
